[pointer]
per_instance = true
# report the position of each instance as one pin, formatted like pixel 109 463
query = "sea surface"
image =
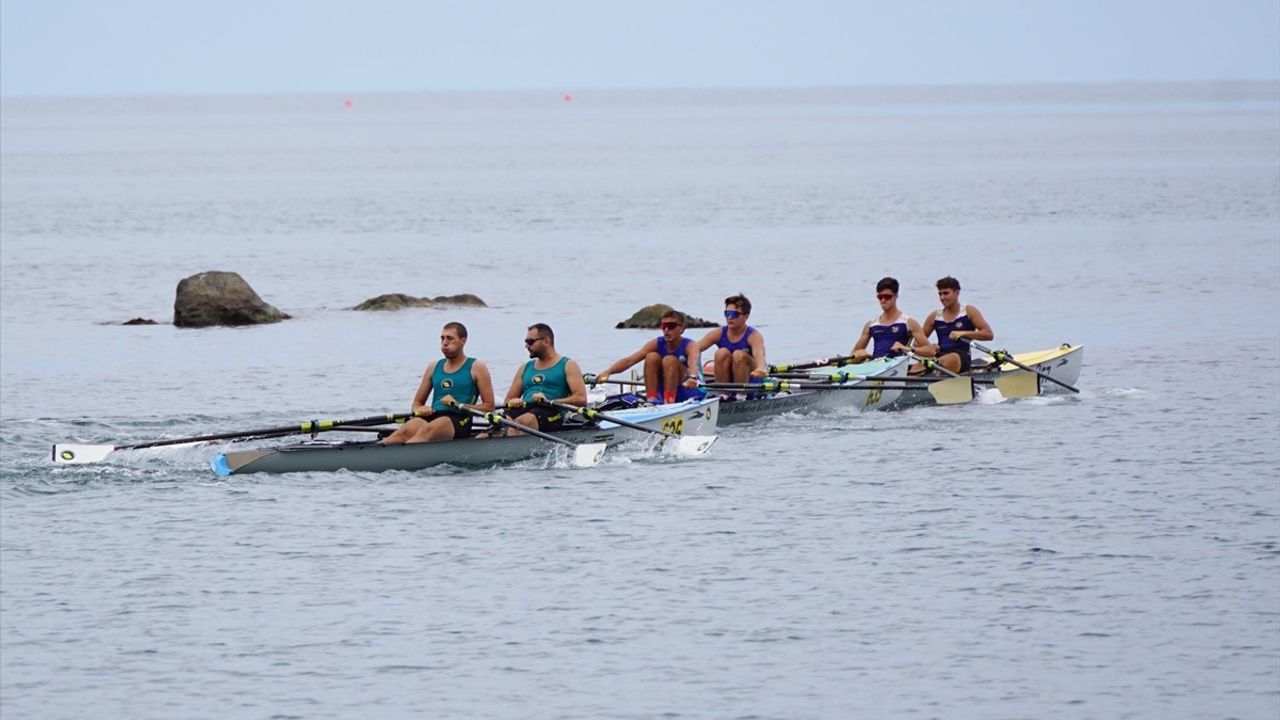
pixel 1114 554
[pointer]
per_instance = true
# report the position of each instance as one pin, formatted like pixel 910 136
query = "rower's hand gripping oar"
pixel 82 454
pixel 584 455
pixel 685 445
pixel 1001 356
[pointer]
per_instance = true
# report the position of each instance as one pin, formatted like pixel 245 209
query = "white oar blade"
pixel 693 445
pixel 954 391
pixel 72 454
pixel 1018 385
pixel 588 455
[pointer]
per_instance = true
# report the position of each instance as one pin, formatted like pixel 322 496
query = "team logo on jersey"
pixel 446 384
pixel 537 379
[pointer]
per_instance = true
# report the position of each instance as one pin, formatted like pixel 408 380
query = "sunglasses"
pixel 884 296
pixel 530 341
pixel 670 325
pixel 731 314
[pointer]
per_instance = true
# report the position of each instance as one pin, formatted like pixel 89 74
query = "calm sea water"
pixel 1111 555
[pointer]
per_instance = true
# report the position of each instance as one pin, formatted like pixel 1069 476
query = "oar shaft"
pixel 835 361
pixel 496 419
pixel 302 428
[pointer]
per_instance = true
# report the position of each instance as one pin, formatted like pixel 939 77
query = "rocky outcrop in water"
pixel 140 321
pixel 220 298
pixel 400 301
pixel 649 316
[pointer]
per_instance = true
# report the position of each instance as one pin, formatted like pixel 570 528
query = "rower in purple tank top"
pixel 739 355
pixel 955 324
pixel 672 363
pixel 890 334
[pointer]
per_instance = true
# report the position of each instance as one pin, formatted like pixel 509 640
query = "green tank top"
pixel 550 382
pixel 459 384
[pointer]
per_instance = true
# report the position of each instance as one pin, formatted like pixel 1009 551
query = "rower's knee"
pixel 670 363
pixel 950 361
pixel 653 359
pixel 741 356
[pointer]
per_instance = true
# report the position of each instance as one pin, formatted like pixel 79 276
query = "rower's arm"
pixel 860 347
pixel 484 385
pixel 577 388
pixel 517 386
pixel 756 342
pixel 424 390
pixel 927 329
pixel 632 359
pixel 711 338
pixel 982 329
pixel 920 340
pixel 693 365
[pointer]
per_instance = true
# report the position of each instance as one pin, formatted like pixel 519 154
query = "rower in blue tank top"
pixel 954 324
pixel 547 376
pixel 740 356
pixel 672 363
pixel 890 334
pixel 456 377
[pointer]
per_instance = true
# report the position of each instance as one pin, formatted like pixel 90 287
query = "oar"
pixel 931 364
pixel 951 391
pixel 584 455
pixel 592 380
pixel 79 454
pixel 1010 385
pixel 836 361
pixel 1001 356
pixel 686 445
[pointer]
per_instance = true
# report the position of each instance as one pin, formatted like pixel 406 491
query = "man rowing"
pixel 455 378
pixel 890 334
pixel 672 363
pixel 955 324
pixel 740 354
pixel 547 376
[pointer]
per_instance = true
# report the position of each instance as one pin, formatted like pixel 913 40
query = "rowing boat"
pixel 693 417
pixel 1063 363
pixel 750 410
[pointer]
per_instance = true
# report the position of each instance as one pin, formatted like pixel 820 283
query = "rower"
pixel 456 377
pixel 955 324
pixel 892 333
pixel 740 354
pixel 547 376
pixel 672 363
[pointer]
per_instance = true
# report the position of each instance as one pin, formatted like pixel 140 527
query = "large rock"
pixel 650 316
pixel 399 301
pixel 220 298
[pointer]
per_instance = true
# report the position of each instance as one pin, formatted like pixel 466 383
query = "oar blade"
pixel 1018 385
pixel 588 454
pixel 953 391
pixel 693 445
pixel 74 454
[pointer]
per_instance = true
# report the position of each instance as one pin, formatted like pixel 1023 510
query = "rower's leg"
pixel 950 361
pixel 671 374
pixel 742 366
pixel 527 419
pixel 652 372
pixel 724 366
pixel 403 433
pixel 437 430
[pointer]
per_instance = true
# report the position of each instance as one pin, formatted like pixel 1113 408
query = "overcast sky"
pixel 98 47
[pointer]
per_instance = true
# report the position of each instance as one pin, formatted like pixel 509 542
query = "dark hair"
pixel 458 328
pixel 676 315
pixel 740 301
pixel 544 330
pixel 949 282
pixel 887 283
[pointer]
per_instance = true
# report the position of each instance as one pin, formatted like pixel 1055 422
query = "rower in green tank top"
pixel 456 377
pixel 548 375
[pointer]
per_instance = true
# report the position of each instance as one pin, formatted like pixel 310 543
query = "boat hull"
pixel 695 417
pixel 870 394
pixel 1063 362
pixel 745 411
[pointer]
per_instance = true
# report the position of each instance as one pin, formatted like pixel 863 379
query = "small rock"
pixel 220 298
pixel 399 301
pixel 140 321
pixel 650 316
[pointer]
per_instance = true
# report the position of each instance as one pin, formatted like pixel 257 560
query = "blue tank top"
pixel 883 336
pixel 740 345
pixel 458 383
pixel 682 354
pixel 551 382
pixel 943 328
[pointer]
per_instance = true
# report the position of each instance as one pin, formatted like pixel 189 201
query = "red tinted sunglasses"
pixel 670 325
pixel 884 296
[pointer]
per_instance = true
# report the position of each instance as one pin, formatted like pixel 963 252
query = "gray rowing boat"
pixel 694 417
